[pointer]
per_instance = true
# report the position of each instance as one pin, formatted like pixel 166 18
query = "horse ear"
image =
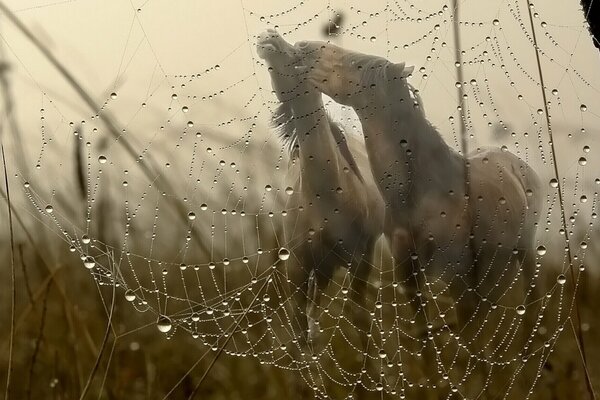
pixel 408 71
pixel 402 71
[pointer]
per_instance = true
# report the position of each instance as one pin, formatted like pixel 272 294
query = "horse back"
pixel 503 183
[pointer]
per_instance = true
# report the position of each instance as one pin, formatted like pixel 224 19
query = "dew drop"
pixel 85 239
pixel 89 262
pixel 113 95
pixel 191 216
pixel 49 209
pixel 102 159
pixel 129 295
pixel 521 310
pixel 289 190
pixel 283 254
pixel 541 250
pixel 164 324
pixel 583 107
pixel 496 22
pixel 554 183
pixel 373 39
pixel 561 279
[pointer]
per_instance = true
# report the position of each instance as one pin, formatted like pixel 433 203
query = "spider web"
pixel 177 191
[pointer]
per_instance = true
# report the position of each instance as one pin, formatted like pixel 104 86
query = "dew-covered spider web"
pixel 152 163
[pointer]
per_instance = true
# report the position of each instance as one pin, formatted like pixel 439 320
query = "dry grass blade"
pixel 25 274
pixel 148 166
pixel 79 164
pixel 38 341
pixel 13 288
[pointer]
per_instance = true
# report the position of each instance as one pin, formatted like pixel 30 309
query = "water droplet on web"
pixel 89 262
pixel 185 109
pixel 129 295
pixel 554 183
pixel 283 254
pixel 289 190
pixel 49 209
pixel 496 22
pixel 85 239
pixel 373 39
pixel 561 279
pixel 541 250
pixel 520 310
pixel 113 95
pixel 583 107
pixel 555 92
pixel 164 324
pixel 191 216
pixel 102 159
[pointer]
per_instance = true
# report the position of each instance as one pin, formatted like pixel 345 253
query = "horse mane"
pixel 375 70
pixel 283 122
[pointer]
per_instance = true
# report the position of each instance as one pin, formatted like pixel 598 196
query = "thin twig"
pixel 212 363
pixel 104 341
pixel 460 78
pixel 13 288
pixel 579 337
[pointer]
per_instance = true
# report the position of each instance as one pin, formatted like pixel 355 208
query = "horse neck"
pixel 318 153
pixel 407 155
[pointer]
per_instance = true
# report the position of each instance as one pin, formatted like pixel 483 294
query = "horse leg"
pixel 360 278
pixel 318 281
pixel 532 292
pixel 408 273
pixel 360 315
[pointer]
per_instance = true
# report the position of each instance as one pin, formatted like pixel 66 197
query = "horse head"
pixel 287 77
pixel 352 78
